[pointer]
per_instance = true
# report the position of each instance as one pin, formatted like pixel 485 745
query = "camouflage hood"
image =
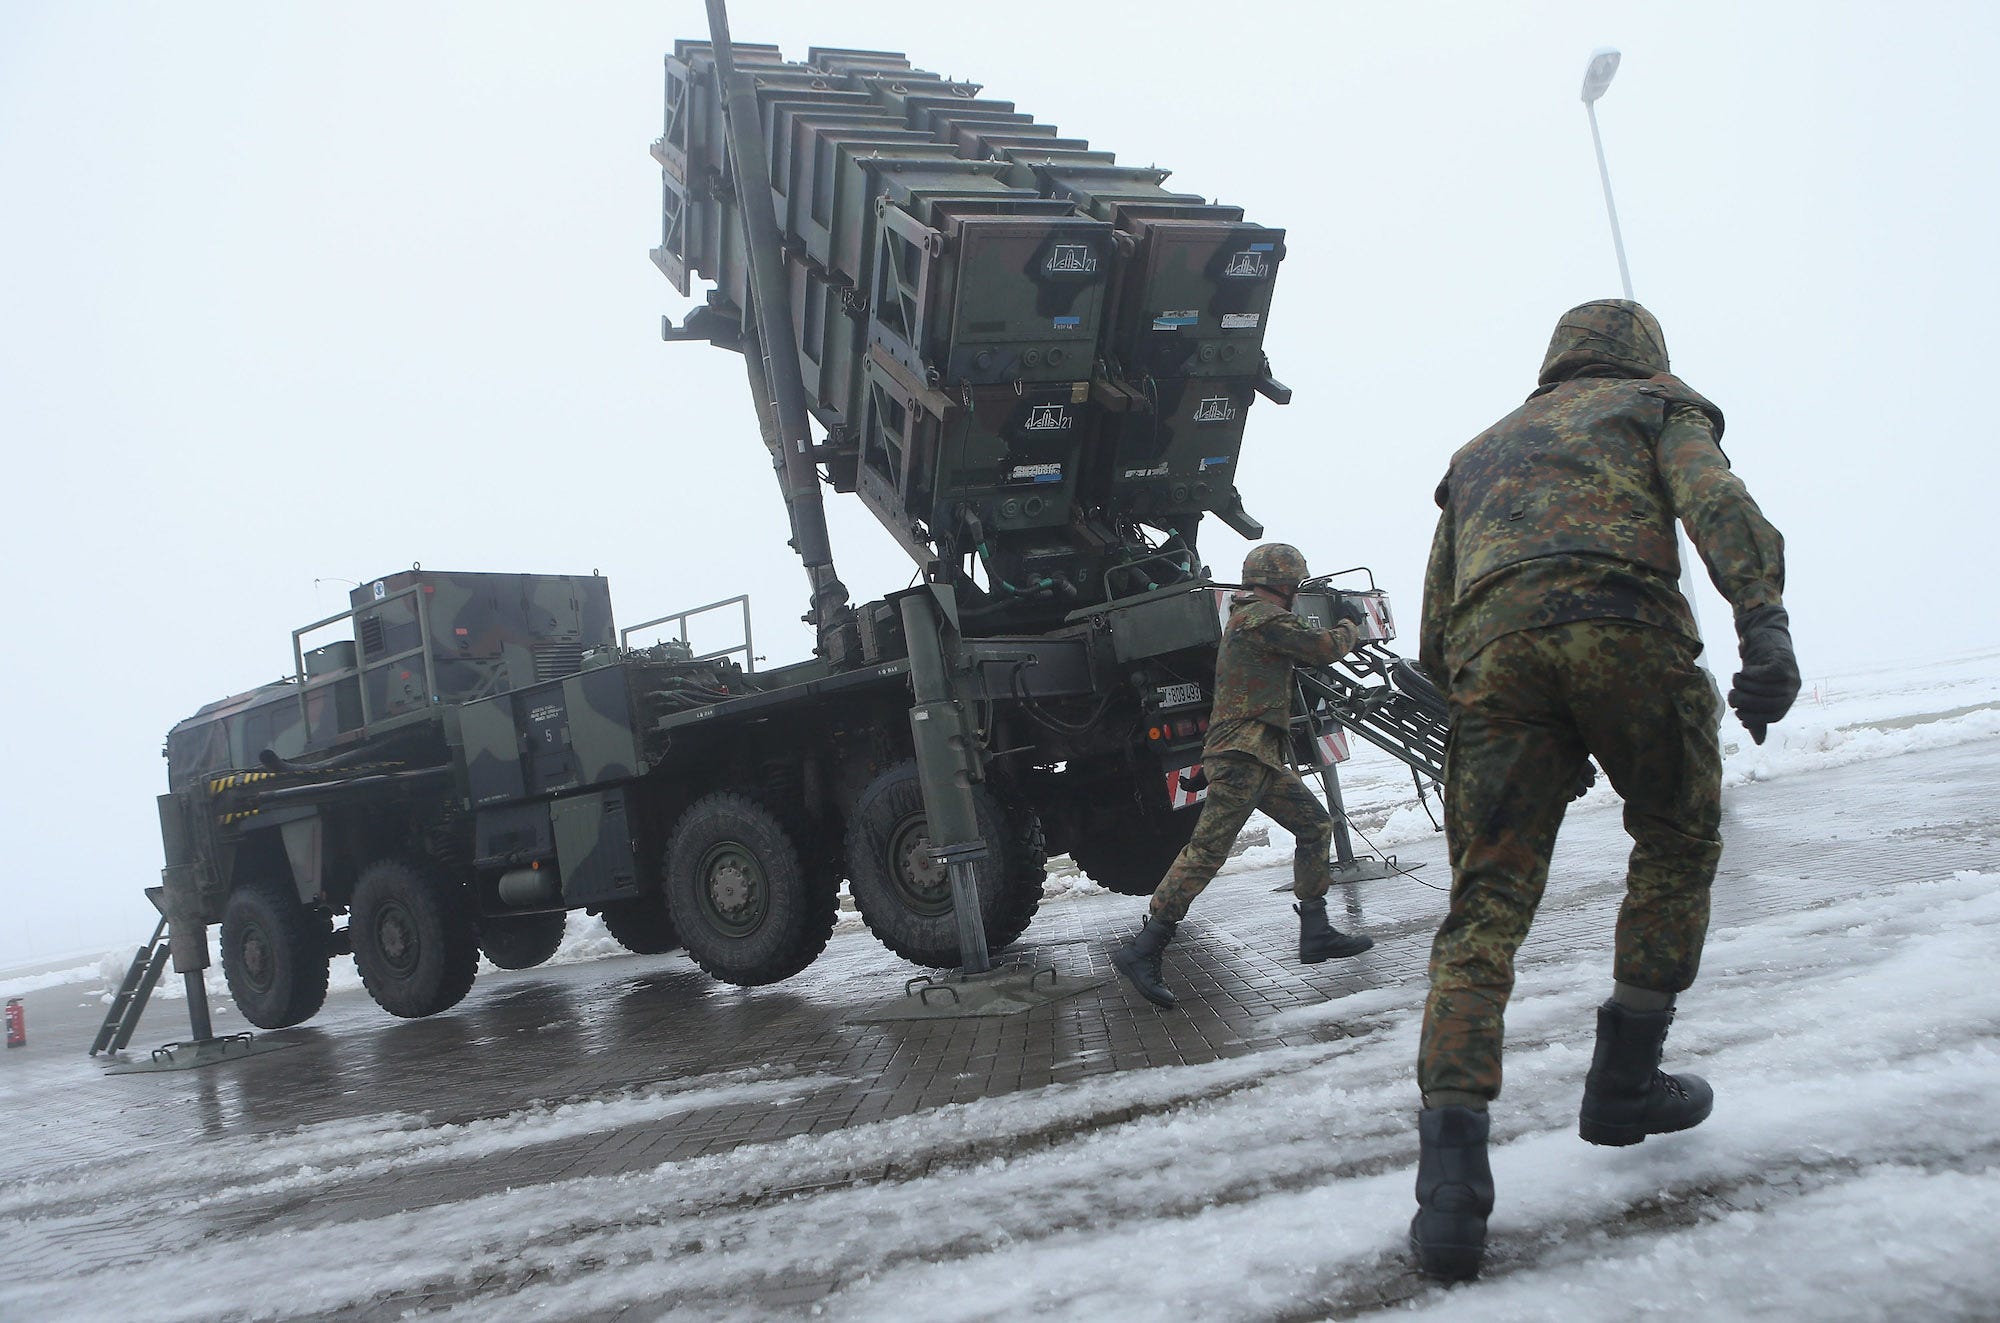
pixel 1609 333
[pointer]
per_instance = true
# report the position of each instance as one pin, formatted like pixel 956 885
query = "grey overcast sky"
pixel 307 292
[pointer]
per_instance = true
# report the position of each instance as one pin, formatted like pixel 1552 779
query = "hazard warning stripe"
pixel 219 784
pixel 1180 792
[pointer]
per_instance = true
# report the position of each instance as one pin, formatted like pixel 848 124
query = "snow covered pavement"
pixel 540 1153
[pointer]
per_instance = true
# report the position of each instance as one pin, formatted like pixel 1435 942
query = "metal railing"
pixel 362 664
pixel 681 618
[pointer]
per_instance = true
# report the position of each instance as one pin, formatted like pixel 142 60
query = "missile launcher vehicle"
pixel 1034 365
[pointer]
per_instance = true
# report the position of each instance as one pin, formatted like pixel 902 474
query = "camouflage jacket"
pixel 1252 713
pixel 1564 510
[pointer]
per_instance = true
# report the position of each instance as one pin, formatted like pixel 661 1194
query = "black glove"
pixel 1764 689
pixel 1586 777
pixel 1346 608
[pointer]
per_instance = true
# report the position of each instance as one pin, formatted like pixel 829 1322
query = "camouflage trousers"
pixel 1525 711
pixel 1238 786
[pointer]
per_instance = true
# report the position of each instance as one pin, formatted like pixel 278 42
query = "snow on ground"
pixel 1851 1169
pixel 23 984
pixel 1843 718
pixel 396 1143
pixel 1856 1043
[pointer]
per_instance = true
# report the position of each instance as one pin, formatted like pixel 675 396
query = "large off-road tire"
pixel 274 954
pixel 520 941
pixel 415 937
pixel 1126 851
pixel 642 924
pixel 746 906
pixel 905 898
pixel 1027 869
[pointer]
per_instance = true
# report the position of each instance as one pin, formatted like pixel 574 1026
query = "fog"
pixel 299 295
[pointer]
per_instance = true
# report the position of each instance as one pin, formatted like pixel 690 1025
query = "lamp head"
pixel 1603 64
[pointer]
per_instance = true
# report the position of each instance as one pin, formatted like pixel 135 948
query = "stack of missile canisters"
pixel 1018 347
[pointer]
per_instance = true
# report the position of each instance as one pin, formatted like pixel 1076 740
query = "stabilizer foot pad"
pixel 997 992
pixel 1363 870
pixel 208 1052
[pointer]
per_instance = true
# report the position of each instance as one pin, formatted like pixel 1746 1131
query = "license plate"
pixel 1179 695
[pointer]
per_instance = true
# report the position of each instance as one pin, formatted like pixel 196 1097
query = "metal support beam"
pixel 771 298
pixel 947 768
pixel 1347 867
pixel 828 609
pixel 187 934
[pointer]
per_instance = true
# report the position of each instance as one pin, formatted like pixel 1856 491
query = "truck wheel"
pixel 521 941
pixel 740 894
pixel 1027 869
pixel 274 954
pixel 905 898
pixel 642 925
pixel 1129 852
pixel 415 939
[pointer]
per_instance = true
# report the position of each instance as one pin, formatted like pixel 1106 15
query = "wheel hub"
pixel 921 866
pixel 396 938
pixel 729 886
pixel 256 952
pixel 733 888
pixel 925 881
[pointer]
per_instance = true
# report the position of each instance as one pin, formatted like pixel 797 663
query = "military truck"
pixel 482 756
pixel 1034 366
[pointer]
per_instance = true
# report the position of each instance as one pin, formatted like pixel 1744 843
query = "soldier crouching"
pixel 1245 761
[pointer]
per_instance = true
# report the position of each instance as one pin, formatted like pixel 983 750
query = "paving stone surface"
pixel 611 1028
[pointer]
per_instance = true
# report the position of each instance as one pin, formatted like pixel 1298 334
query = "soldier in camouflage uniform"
pixel 1554 622
pixel 1245 759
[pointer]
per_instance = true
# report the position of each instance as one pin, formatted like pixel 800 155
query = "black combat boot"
pixel 1319 940
pixel 1454 1193
pixel 1139 960
pixel 1627 1096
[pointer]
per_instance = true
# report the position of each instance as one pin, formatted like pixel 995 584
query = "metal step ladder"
pixel 1388 702
pixel 130 1003
pixel 1385 700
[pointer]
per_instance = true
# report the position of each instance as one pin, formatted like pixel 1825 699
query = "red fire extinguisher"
pixel 17 1023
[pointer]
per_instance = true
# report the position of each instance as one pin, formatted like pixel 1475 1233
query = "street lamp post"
pixel 1603 64
pixel 1596 78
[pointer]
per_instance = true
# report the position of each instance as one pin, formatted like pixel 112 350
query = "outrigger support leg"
pixel 1346 866
pixel 1318 735
pixel 179 899
pixel 948 765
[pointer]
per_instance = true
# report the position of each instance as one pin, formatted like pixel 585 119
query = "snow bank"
pixel 54 978
pixel 1808 746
